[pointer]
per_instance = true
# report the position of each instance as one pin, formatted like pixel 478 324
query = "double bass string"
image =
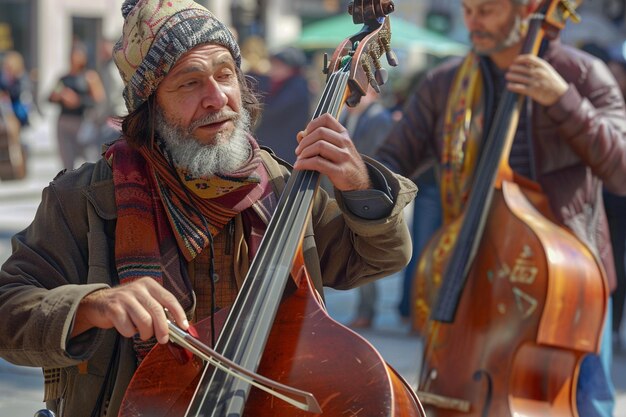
pixel 469 236
pixel 247 328
pixel 304 180
pixel 330 102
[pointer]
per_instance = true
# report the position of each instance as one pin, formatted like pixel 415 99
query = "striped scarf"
pixel 157 219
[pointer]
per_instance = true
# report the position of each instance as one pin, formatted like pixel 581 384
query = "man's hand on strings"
pixel 534 77
pixel 325 146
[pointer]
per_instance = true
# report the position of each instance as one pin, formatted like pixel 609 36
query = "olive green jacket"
pixel 68 252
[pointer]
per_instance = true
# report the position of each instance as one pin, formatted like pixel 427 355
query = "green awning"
pixel 330 32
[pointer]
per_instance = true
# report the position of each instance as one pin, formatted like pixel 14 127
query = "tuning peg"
pixel 367 69
pixel 392 59
pixel 353 99
pixel 374 85
pixel 571 9
pixel 381 75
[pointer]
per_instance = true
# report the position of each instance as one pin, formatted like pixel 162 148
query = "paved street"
pixel 21 388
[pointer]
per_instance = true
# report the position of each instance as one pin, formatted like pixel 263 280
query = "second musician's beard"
pixel 227 154
pixel 512 38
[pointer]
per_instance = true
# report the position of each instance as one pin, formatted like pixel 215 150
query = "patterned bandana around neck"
pixel 463 129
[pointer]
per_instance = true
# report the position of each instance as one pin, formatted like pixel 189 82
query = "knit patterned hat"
pixel 156 33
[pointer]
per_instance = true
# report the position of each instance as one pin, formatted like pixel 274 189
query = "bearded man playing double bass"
pixel 571 139
pixel 174 212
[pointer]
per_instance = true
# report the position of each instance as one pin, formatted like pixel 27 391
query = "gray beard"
pixel 514 36
pixel 226 155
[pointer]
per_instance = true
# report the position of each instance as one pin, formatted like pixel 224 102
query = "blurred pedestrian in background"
pixel 426 219
pixel 113 104
pixel 615 207
pixel 255 60
pixel 286 102
pixel 14 80
pixel 77 92
pixel 426 213
pixel 16 99
pixel 368 124
pixel 255 63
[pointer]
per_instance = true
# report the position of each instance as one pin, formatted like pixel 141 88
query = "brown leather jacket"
pixel 578 144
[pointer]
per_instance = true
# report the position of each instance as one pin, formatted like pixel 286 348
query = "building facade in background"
pixel 43 30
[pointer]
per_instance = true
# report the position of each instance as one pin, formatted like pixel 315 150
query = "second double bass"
pixel 515 301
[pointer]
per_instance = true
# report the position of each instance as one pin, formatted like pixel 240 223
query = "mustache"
pixel 481 34
pixel 218 117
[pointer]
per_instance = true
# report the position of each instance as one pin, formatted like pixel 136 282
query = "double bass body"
pixel 528 315
pixel 306 349
pixel 519 299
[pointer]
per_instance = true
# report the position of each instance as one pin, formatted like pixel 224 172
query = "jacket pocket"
pixel 80 394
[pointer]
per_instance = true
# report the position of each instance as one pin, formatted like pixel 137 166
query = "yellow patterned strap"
pixel 463 129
